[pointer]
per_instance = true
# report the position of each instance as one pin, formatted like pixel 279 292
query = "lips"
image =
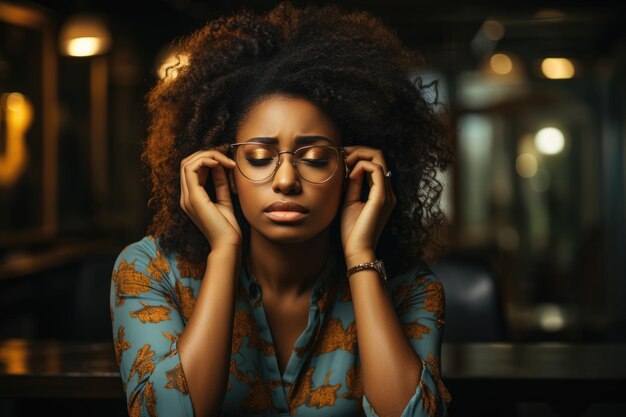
pixel 285 212
pixel 285 206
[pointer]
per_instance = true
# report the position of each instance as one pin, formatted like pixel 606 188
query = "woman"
pixel 292 161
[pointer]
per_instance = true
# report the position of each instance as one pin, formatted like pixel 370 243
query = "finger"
pixel 355 185
pixel 390 197
pixel 220 182
pixel 211 153
pixel 194 163
pixel 197 172
pixel 376 177
pixel 184 192
pixel 356 153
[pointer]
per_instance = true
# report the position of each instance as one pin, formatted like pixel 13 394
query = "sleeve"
pixel 146 326
pixel 419 301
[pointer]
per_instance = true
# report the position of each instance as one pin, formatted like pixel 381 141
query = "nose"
pixel 286 179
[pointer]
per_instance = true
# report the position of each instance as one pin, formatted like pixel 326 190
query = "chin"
pixel 288 233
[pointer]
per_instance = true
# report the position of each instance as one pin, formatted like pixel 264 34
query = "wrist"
pixel 225 251
pixel 378 265
pixel 359 258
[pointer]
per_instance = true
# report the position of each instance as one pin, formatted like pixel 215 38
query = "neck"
pixel 288 268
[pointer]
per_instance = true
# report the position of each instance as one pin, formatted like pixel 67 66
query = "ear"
pixel 231 181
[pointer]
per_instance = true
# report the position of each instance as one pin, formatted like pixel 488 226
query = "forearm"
pixel 205 344
pixel 390 367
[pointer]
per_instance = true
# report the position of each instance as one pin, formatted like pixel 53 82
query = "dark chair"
pixel 474 309
pixel 91 315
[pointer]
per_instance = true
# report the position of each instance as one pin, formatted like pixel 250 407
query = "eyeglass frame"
pixel 232 147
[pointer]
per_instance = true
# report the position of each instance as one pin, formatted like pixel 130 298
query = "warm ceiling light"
pixel 501 64
pixel 84 35
pixel 492 29
pixel 557 68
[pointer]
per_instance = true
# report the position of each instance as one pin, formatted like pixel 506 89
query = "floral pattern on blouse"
pixel 151 299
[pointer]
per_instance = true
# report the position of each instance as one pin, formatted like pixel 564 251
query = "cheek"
pixel 332 198
pixel 247 197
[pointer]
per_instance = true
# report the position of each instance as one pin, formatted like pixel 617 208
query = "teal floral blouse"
pixel 152 295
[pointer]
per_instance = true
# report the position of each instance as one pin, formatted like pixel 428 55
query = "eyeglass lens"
pixel 258 162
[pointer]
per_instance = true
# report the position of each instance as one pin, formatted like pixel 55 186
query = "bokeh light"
pixel 557 68
pixel 549 141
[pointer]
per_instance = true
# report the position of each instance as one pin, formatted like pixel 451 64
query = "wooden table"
pixel 490 379
pixel 568 376
pixel 58 369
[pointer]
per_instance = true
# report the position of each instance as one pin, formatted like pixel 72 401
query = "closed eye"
pixel 318 162
pixel 258 162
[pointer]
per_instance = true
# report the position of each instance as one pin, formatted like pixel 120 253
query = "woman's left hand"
pixel 362 222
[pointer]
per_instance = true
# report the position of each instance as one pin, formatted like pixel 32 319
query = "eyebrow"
pixel 300 140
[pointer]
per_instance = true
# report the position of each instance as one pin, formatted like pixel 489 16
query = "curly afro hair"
pixel 349 64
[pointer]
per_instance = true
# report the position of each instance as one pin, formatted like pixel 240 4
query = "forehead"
pixel 284 118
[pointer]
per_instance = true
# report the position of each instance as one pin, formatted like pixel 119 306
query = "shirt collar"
pixel 322 284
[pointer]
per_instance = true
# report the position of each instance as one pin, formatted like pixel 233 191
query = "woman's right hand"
pixel 216 220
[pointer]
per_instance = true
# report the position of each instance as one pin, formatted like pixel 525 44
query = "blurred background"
pixel 537 91
pixel 535 197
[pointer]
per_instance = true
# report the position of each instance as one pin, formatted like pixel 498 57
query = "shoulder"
pixel 143 265
pixel 141 250
pixel 145 255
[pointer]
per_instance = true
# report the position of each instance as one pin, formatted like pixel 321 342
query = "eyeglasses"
pixel 258 161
